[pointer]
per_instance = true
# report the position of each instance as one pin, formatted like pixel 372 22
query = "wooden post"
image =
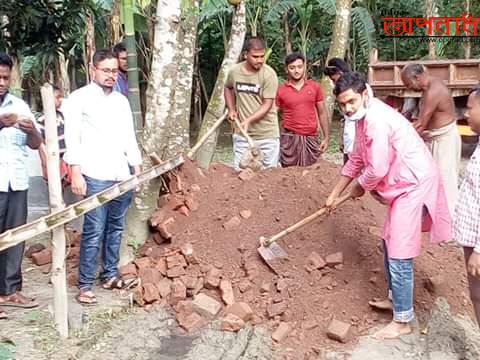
pixel 59 279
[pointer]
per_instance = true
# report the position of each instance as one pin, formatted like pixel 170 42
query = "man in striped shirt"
pixel 467 211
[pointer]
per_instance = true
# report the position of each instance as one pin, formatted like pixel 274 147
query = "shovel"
pixel 205 136
pixel 253 157
pixel 271 252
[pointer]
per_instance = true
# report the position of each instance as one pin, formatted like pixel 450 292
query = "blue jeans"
pixel 102 226
pixel 399 273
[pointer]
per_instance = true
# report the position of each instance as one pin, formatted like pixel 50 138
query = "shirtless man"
pixel 436 123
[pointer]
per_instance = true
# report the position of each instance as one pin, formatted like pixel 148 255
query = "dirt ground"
pixel 276 199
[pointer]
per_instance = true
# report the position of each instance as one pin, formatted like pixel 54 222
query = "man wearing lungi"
pixel 300 101
pixel 436 123
pixel 390 158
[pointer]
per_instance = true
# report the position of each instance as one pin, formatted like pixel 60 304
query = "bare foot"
pixel 385 304
pixel 393 331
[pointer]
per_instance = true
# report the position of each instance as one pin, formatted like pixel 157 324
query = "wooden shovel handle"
pixel 207 134
pixel 305 221
pixel 244 134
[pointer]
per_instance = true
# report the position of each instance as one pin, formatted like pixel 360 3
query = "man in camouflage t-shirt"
pixel 250 92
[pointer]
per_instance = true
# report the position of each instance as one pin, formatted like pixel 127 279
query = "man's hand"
pixel 473 266
pixel 245 125
pixel 378 197
pixel 232 115
pixel 331 200
pixel 26 125
pixel 79 186
pixel 357 191
pixel 7 120
pixel 418 126
pixel 324 145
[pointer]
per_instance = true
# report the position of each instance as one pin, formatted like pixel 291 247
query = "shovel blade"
pixel 272 252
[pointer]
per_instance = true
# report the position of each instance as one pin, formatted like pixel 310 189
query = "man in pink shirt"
pixel 391 160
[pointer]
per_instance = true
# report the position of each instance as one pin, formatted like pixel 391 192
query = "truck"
pixel 460 76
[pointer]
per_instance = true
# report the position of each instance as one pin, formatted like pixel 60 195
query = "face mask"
pixel 359 115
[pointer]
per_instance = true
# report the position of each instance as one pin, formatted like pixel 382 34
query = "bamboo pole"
pixel 59 279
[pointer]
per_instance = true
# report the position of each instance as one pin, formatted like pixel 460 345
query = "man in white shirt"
pixel 101 150
pixel 17 132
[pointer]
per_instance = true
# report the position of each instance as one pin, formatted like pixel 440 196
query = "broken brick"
pixel 162 266
pixel 232 322
pixel 145 250
pixel 309 324
pixel 149 275
pixel 176 272
pixel 138 296
pixel 187 252
pixel 315 261
pixel 334 259
pixel 176 202
pixel 246 175
pixel 184 306
pixel 240 309
pixel 32 249
pixel 189 281
pixel 164 287
pixel 281 332
pixel 265 288
pixel 198 287
pixel 143 262
pixel 42 258
pixel 338 330
pixel 150 293
pixel 73 253
pixel 190 322
pixel 233 223
pixel 276 309
pixel 252 271
pixel 162 235
pixel 212 280
pixel 191 203
pixel 206 306
pixel 227 292
pixel 244 285
pixel 156 218
pixel 184 210
pixel 179 292
pixel 127 269
pixel 72 279
pixel 246 214
pixel 282 285
pixel 176 260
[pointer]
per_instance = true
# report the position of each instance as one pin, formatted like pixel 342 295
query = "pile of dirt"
pixel 202 257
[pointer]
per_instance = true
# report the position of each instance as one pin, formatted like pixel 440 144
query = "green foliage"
pixel 364 29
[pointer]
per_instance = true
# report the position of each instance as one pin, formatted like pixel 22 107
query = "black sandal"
pixel 119 283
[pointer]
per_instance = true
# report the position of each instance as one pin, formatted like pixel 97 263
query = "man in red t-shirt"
pixel 300 101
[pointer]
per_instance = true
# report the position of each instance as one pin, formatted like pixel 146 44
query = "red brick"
pixel 156 218
pixel 184 210
pixel 276 309
pixel 138 296
pixel 190 322
pixel 281 332
pixel 179 292
pixel 244 285
pixel 246 175
pixel 198 287
pixel 206 306
pixel 127 269
pixel 189 281
pixel 184 306
pixel 176 272
pixel 73 253
pixel 338 330
pixel 212 280
pixel 73 237
pixel 143 263
pixel 149 275
pixel 160 236
pixel 240 309
pixel 187 252
pixel 164 287
pixel 233 223
pixel 162 266
pixel 227 292
pixel 42 258
pixel 32 249
pixel 72 279
pixel 150 293
pixel 246 214
pixel 315 261
pixel 334 259
pixel 176 260
pixel 232 322
pixel 191 203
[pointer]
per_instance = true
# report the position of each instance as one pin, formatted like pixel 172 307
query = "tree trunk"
pixel 115 27
pixel 133 83
pixel 63 79
pixel 89 45
pixel 160 104
pixel 286 34
pixel 429 8
pixel 16 82
pixel 467 45
pixel 59 277
pixel 179 135
pixel 216 105
pixel 338 47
